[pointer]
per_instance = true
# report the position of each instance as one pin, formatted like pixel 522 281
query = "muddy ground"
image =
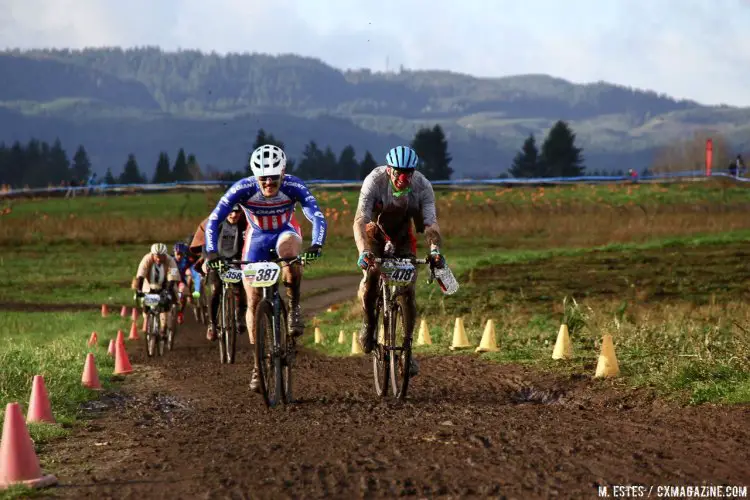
pixel 185 426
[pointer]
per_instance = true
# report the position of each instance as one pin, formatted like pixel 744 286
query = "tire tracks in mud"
pixel 184 426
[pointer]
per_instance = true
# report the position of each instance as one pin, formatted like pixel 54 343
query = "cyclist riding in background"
pixel 269 198
pixel 185 262
pixel 230 242
pixel 393 194
pixel 157 273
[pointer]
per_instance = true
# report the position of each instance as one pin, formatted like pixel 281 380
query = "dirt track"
pixel 187 427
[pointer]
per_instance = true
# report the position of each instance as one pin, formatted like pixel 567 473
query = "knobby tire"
pixel 269 366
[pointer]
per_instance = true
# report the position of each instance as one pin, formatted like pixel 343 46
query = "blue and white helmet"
pixel 402 157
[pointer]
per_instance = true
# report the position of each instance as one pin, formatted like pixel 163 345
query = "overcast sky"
pixel 695 49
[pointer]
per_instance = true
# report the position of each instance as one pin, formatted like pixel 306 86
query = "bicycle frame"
pixel 388 355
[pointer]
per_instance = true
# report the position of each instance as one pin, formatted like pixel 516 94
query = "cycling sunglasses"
pixel 402 171
pixel 269 178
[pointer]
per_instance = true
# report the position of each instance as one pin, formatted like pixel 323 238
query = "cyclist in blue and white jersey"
pixel 269 198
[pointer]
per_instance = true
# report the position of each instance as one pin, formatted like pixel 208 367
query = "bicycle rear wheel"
pixel 401 356
pixel 267 361
pixel 380 354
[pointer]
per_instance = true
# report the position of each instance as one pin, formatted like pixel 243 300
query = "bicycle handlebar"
pixel 277 260
pixel 380 260
pixel 413 260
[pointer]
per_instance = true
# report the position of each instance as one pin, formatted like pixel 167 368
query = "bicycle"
pixel 275 346
pixel 154 304
pixel 227 319
pixel 391 355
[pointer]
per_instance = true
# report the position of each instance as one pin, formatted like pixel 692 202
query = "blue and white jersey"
pixel 272 215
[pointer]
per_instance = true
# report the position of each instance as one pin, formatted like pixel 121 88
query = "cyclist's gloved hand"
pixel 138 295
pixel 313 252
pixel 436 259
pixel 213 261
pixel 365 260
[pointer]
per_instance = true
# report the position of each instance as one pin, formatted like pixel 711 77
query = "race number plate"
pixel 262 274
pixel 232 276
pixel 151 299
pixel 400 274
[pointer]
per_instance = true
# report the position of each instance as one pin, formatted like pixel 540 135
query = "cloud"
pixel 45 23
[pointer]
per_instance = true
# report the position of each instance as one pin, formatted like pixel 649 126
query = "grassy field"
pixel 661 268
pixel 675 309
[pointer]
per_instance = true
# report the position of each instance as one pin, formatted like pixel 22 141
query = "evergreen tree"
pixel 58 164
pixel 432 148
pixel 81 168
pixel 162 173
pixel 109 178
pixel 559 155
pixel 367 165
pixel 525 163
pixel 180 170
pixel 131 174
pixel 328 168
pixel 312 160
pixel 348 167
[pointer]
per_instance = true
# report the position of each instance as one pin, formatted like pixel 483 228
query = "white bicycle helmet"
pixel 159 249
pixel 268 160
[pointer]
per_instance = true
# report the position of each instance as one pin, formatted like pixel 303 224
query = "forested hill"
pixel 117 101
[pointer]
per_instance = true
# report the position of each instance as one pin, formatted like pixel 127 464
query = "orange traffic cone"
pixel 93 339
pixel 18 461
pixel 120 337
pixel 122 363
pixel 40 409
pixel 134 314
pixel 105 310
pixel 111 350
pixel 133 332
pixel 124 312
pixel 90 377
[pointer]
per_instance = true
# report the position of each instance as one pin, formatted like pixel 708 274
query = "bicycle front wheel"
pixel 288 353
pixel 401 355
pixel 381 355
pixel 266 354
pixel 222 327
pixel 152 334
pixel 230 327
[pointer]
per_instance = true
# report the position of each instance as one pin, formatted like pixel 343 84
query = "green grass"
pixel 69 273
pixel 683 349
pixel 53 345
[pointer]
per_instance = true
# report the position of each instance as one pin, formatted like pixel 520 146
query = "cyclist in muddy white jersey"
pixel 269 198
pixel 393 194
pixel 157 273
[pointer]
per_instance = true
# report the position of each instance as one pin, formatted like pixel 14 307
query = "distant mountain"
pixel 116 101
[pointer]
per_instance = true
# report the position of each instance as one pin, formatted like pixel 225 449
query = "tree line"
pixel 38 163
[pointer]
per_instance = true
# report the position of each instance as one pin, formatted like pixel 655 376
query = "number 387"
pixel 268 274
